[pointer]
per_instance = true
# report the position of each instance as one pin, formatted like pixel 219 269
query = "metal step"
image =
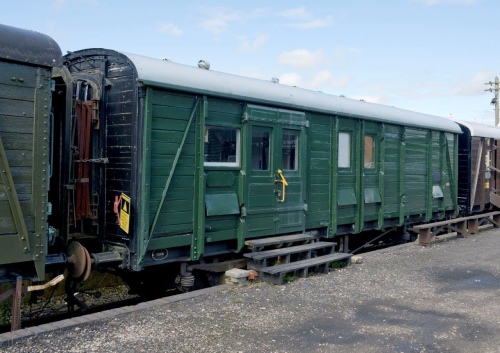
pixel 260 259
pixel 275 274
pixel 284 240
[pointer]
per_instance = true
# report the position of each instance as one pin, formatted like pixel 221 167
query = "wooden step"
pixel 259 255
pixel 275 274
pixel 284 240
pixel 261 259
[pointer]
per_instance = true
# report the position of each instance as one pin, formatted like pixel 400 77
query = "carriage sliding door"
pixel 275 171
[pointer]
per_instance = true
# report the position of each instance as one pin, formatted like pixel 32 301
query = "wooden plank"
pixel 455 220
pixel 19 93
pixel 259 255
pixel 293 266
pixel 16 108
pixel 259 243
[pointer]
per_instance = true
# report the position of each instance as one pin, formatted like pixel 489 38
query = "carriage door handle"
pixel 284 184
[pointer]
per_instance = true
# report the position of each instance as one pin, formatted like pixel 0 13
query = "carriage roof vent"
pixel 202 64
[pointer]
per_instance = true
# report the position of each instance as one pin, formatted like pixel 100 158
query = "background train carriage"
pixel 27 62
pixel 478 161
pixel 210 160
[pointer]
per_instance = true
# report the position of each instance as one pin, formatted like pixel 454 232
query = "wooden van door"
pixel 289 180
pixel 372 166
pixel 275 172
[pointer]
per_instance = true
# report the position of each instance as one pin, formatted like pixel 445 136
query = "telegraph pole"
pixel 494 100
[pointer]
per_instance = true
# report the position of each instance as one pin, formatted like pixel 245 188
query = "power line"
pixel 494 100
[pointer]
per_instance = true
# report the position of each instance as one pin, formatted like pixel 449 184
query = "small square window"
pixel 289 151
pixel 260 150
pixel 369 160
pixel 344 150
pixel 222 146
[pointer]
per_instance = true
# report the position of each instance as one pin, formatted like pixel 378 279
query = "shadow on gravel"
pixel 383 325
pixel 465 278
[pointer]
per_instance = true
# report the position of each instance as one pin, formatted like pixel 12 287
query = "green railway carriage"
pixel 478 161
pixel 195 162
pixel 28 61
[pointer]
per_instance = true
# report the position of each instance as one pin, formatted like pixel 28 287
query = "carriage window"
pixel 289 150
pixel 344 150
pixel 222 146
pixel 369 161
pixel 260 150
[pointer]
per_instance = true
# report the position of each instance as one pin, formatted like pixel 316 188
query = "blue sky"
pixel 431 56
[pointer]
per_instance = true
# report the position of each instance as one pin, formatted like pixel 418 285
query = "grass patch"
pixel 5 311
pixel 290 277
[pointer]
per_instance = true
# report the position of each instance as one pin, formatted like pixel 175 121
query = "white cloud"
pixel 254 44
pixel 429 88
pixel 220 20
pixel 171 29
pixel 301 58
pixel 475 85
pixel 291 79
pixel 321 81
pixel 326 79
pixel 372 99
pixel 299 13
pixel 446 2
pixel 316 23
pixel 306 20
pixel 58 5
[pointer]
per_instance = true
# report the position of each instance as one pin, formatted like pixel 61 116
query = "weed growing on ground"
pixel 5 312
pixel 289 278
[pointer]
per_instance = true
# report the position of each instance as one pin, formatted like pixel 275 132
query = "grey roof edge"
pixel 167 74
pixel 480 130
pixel 30 47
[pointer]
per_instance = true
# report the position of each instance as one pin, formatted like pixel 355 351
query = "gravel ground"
pixel 445 298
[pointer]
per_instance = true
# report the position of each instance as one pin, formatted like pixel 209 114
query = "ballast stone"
pixel 357 259
pixel 237 276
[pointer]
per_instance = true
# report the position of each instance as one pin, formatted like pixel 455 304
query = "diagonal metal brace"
pixel 15 206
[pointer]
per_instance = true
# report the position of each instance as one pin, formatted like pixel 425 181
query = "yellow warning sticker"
pixel 125 213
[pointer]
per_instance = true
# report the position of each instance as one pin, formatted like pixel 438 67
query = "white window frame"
pixel 236 163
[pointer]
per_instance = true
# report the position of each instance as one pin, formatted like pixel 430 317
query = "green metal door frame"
pixel 263 213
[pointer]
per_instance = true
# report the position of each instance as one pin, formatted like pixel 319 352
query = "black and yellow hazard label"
pixel 125 213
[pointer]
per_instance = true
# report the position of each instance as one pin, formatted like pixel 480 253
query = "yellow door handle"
pixel 284 184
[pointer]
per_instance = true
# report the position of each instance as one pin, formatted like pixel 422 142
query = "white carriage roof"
pixel 155 72
pixel 480 130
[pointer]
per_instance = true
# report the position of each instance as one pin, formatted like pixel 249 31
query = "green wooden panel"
pixel 18 75
pixel 173 194
pixel 289 221
pixel 169 117
pixel 220 179
pixel 165 136
pixel 259 195
pixel 221 204
pixel 170 98
pixel 184 205
pixel 346 197
pixel 211 237
pixel 260 225
pixel 372 195
pixel 170 148
pixel 218 106
pixel 218 223
pixel 162 124
pixel 169 242
pixel 15 141
pixel 16 125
